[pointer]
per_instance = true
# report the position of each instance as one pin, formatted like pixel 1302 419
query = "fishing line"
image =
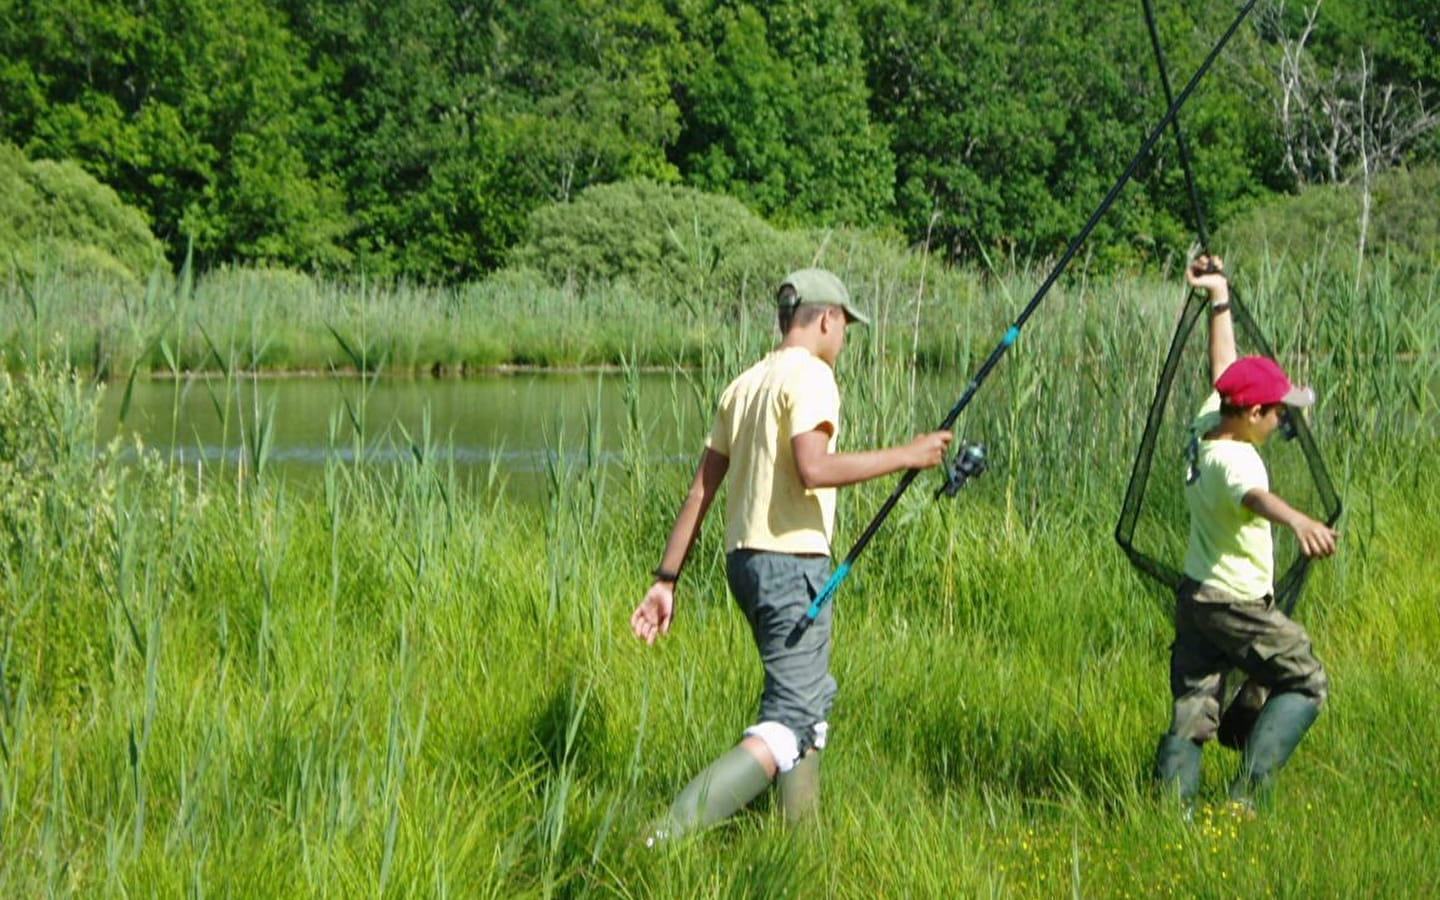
pixel 842 571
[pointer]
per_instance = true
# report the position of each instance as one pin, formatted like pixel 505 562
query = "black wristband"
pixel 665 575
pixel 1220 307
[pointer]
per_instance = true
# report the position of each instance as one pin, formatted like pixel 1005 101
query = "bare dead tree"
pixel 1336 123
pixel 1292 102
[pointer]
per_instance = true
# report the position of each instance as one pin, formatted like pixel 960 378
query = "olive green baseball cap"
pixel 823 287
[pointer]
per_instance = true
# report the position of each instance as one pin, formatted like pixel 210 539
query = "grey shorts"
pixel 774 590
pixel 1215 632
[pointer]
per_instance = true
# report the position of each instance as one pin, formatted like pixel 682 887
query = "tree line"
pixel 415 138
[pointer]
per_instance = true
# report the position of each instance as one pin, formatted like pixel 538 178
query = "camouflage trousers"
pixel 1216 632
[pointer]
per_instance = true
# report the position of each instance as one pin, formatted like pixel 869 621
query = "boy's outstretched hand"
pixel 652 617
pixel 927 450
pixel 1316 538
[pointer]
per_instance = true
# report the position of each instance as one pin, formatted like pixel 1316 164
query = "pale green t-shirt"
pixel 789 392
pixel 1230 546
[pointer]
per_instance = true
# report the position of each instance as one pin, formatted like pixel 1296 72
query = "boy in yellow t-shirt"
pixel 1225 613
pixel 775 433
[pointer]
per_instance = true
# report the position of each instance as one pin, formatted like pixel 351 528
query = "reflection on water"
pixel 514 427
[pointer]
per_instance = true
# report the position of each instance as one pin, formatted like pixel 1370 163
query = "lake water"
pixel 517 424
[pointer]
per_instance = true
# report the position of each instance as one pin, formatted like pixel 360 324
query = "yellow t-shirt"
pixel 1230 546
pixel 789 392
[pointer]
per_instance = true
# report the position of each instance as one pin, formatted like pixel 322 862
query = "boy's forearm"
pixel 693 511
pixel 1207 273
pixel 841 469
pixel 819 468
pixel 683 533
pixel 1222 331
pixel 1271 507
pixel 1316 539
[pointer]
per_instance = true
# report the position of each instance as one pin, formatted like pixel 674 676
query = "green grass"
pixel 392 684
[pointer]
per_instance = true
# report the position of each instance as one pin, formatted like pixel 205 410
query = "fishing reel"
pixel 968 462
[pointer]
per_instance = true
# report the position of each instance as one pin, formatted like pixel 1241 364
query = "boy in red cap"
pixel 1225 612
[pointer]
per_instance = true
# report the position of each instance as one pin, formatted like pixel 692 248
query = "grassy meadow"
pixel 403 685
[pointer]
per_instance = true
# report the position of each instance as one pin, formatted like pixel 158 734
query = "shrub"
pixel 704 252
pixel 688 244
pixel 53 215
pixel 1404 222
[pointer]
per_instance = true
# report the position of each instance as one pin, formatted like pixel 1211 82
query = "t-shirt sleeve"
pixel 1207 417
pixel 1244 472
pixel 719 439
pixel 814 399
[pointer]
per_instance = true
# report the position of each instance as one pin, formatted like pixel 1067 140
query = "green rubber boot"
pixel 1278 730
pixel 799 790
pixel 722 789
pixel 1177 765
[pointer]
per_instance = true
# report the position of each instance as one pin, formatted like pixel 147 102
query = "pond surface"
pixel 516 426
pixel 508 429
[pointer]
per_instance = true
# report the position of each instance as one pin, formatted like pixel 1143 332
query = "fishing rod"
pixel 1200 230
pixel 842 571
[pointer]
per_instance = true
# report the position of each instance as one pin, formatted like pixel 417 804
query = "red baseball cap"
pixel 1258 380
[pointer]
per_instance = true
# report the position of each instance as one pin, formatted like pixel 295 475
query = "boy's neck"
pixel 807 338
pixel 1231 429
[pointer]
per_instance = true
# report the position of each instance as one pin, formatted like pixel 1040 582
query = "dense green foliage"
pixel 661 236
pixel 56 218
pixel 191 109
pixel 649 274
pixel 708 254
pixel 775 112
pixel 414 137
pixel 389 683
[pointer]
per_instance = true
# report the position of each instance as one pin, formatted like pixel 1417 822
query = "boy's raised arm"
pixel 1208 273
